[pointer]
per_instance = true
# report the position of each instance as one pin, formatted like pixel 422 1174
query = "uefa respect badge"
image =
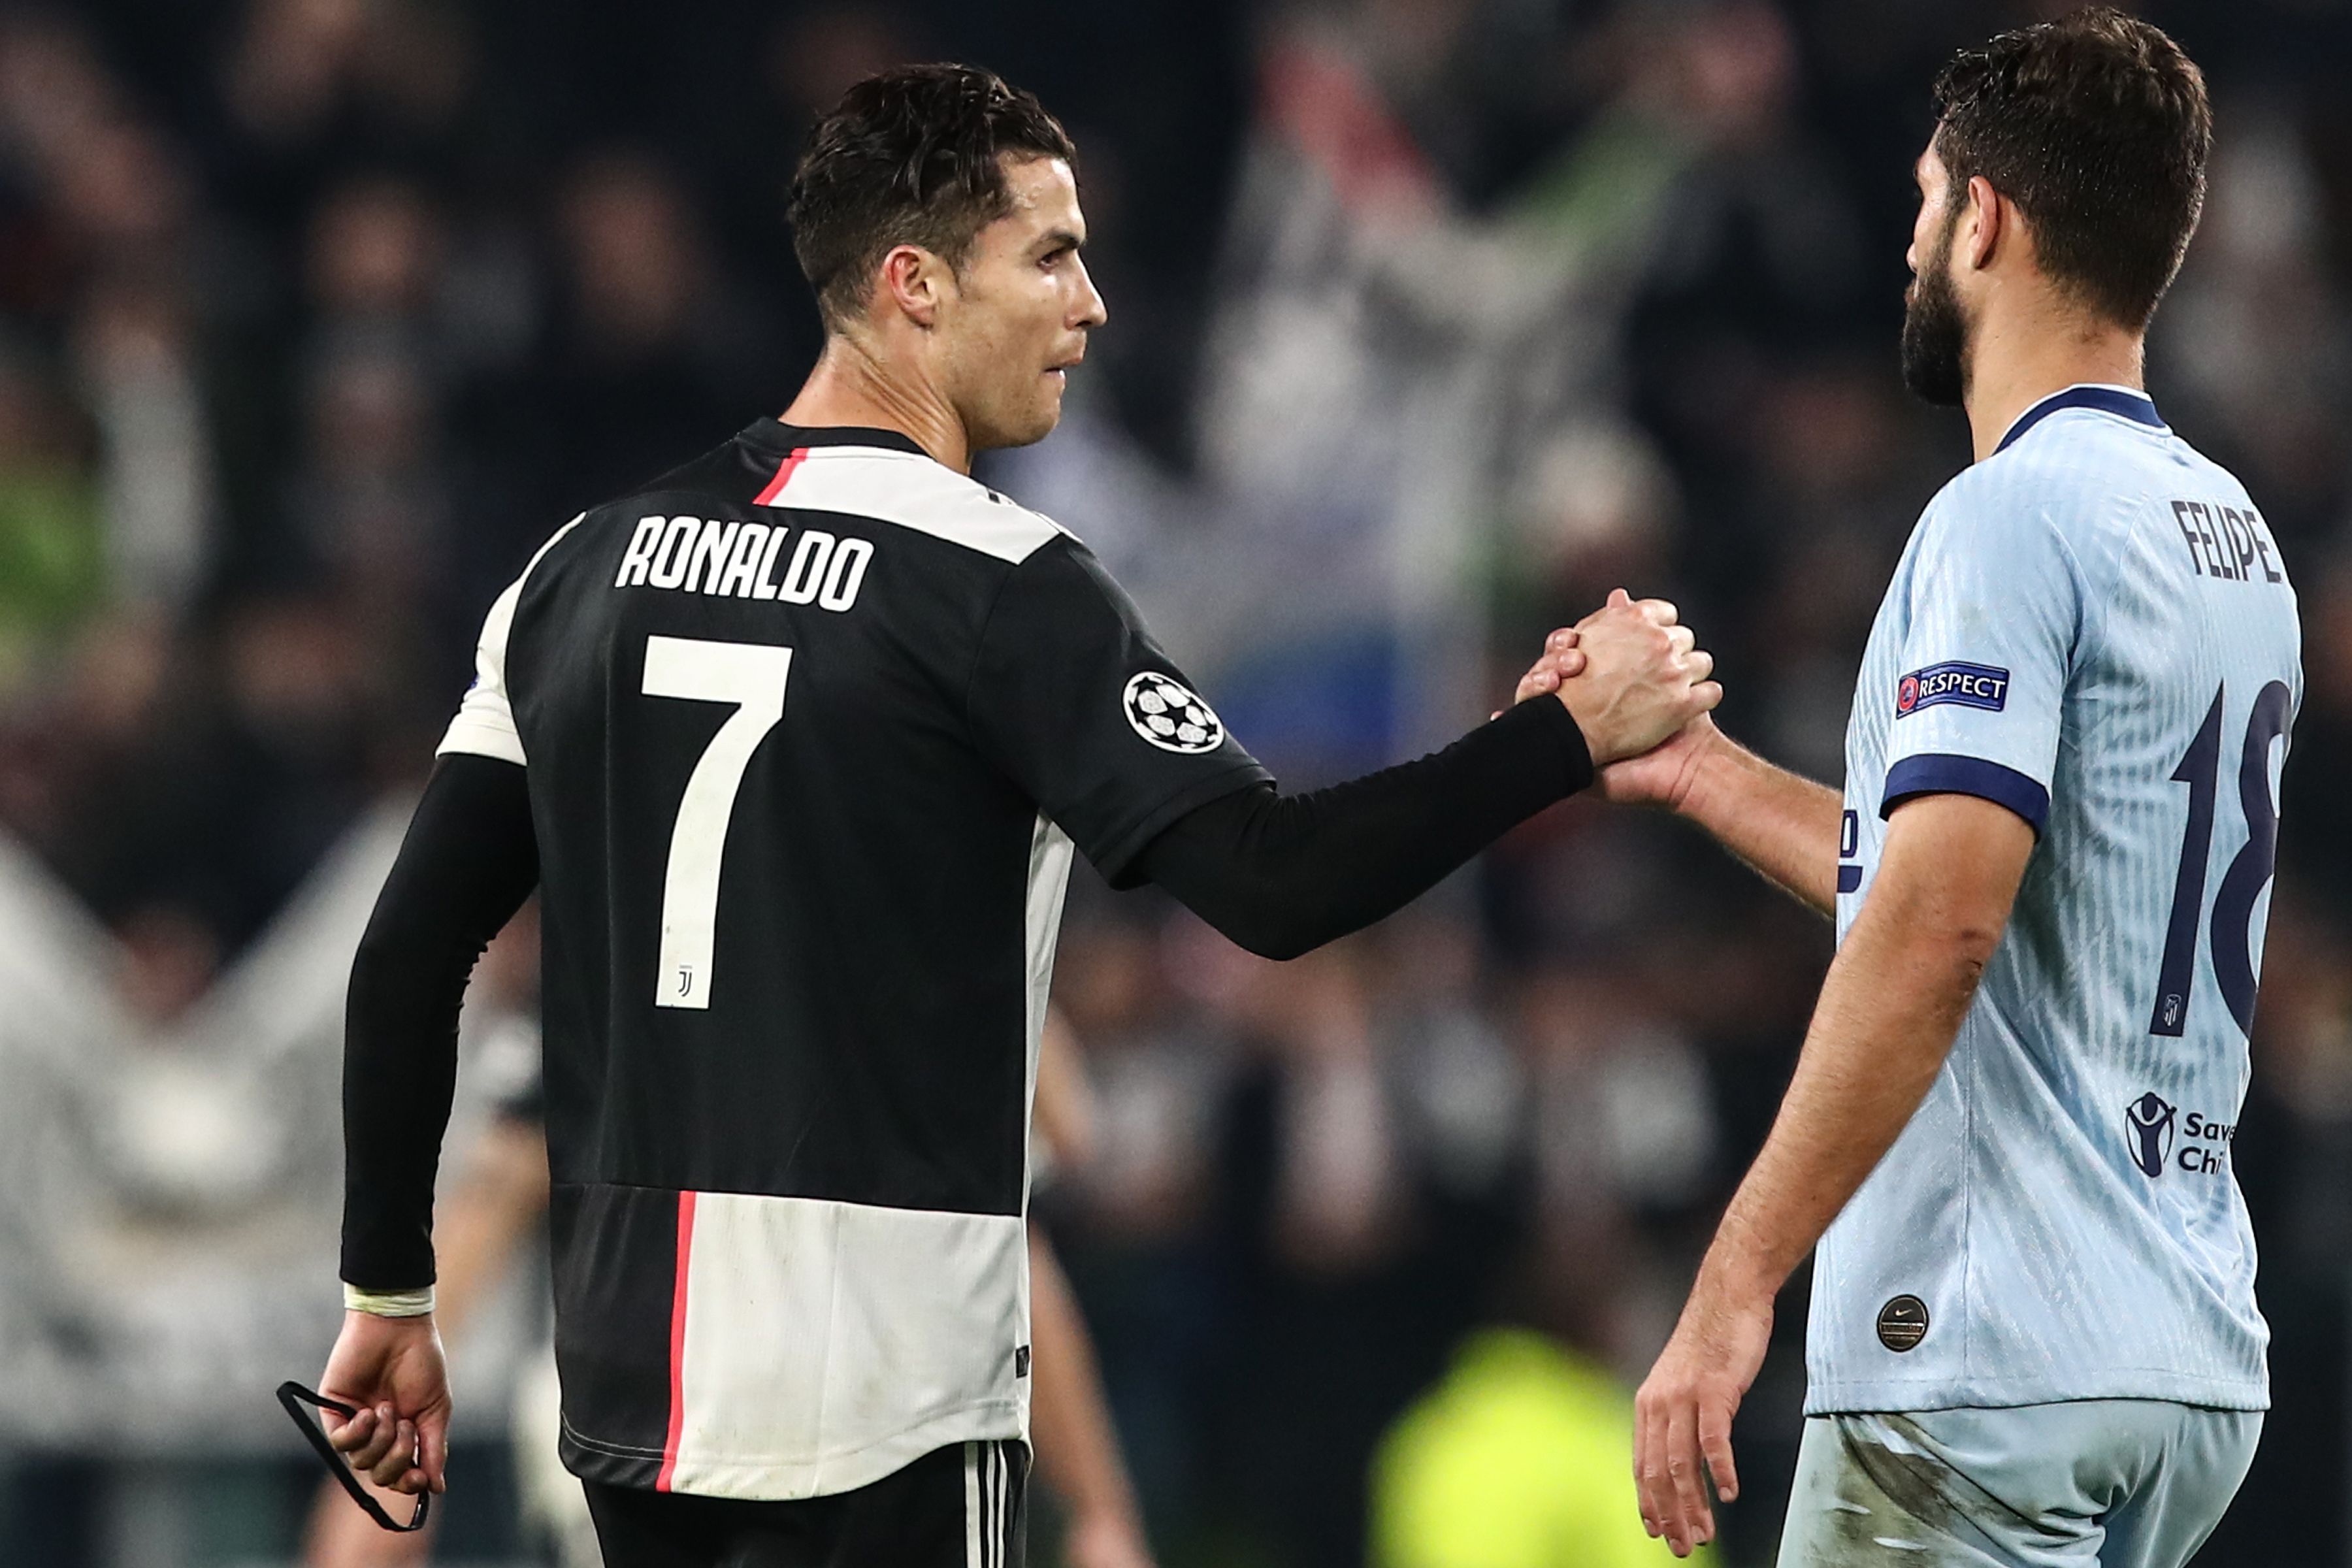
pixel 1982 686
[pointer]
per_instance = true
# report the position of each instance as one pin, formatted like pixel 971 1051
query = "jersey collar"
pixel 775 437
pixel 2123 400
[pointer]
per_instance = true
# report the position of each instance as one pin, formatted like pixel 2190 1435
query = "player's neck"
pixel 2016 361
pixel 850 385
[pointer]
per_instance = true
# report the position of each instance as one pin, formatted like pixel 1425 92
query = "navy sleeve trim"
pixel 1942 773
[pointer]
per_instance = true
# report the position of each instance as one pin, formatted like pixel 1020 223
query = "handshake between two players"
pixel 1632 677
pixel 2015 1302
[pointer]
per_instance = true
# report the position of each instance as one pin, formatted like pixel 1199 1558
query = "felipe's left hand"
pixel 1682 1417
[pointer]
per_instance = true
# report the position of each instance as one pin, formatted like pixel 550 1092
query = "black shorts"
pixel 960 1507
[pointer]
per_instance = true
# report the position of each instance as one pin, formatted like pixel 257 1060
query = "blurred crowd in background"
pixel 1430 321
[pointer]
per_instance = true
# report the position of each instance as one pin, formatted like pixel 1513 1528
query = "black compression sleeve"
pixel 469 862
pixel 1282 874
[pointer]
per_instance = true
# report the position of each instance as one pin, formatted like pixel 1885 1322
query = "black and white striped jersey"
pixel 810 728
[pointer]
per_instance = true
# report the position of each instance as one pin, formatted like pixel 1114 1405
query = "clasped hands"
pixel 1635 679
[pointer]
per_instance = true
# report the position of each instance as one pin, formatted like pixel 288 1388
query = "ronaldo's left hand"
pixel 1682 1417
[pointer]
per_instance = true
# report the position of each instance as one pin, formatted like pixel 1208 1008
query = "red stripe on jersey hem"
pixel 783 475
pixel 677 1312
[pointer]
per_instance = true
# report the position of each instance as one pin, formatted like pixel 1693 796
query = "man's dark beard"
pixel 1934 333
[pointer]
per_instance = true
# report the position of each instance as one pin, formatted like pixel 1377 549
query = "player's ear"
pixel 1985 225
pixel 911 280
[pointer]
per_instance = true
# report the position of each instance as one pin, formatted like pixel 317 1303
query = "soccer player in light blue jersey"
pixel 2033 1337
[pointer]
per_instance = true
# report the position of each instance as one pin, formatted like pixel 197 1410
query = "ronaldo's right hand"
pixel 1644 678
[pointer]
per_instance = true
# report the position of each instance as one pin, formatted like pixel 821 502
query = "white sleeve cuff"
pixel 485 729
pixel 388 1303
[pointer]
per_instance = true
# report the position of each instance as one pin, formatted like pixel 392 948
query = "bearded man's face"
pixel 1935 328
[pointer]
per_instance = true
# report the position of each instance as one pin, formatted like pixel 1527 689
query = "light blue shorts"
pixel 2119 1483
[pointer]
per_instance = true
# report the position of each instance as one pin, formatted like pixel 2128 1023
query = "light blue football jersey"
pixel 2093 628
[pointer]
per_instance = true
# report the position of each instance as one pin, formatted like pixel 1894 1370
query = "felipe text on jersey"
pixel 713 555
pixel 2224 542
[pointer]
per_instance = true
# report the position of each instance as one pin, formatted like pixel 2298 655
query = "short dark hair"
pixel 913 156
pixel 2098 127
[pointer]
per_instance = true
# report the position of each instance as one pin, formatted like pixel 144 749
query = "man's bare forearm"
pixel 1887 1016
pixel 1783 825
pixel 1894 1001
pixel 1890 1008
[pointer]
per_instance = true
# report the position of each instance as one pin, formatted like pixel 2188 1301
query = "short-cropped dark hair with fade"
pixel 2098 127
pixel 913 156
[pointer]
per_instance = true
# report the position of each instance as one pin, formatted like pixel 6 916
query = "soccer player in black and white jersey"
pixel 797 742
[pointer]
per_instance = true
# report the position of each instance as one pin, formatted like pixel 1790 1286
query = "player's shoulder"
pixel 909 490
pixel 1998 509
pixel 2084 454
pixel 717 483
pixel 770 470
pixel 2075 475
pixel 724 477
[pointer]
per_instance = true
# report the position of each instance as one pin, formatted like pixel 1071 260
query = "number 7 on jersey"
pixel 751 676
